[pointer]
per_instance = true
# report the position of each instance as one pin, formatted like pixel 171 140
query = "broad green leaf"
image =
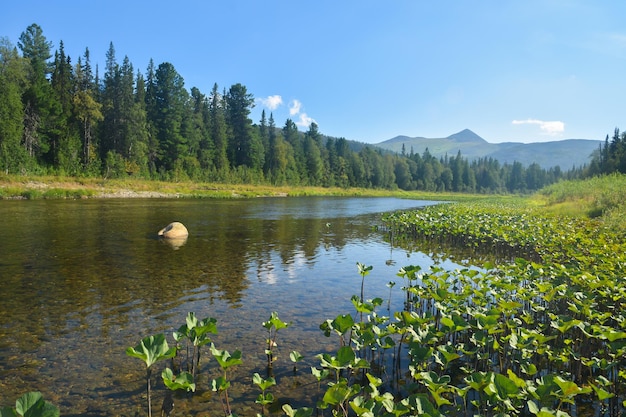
pixel 191 320
pixel 263 384
pixel 275 322
pixel 502 387
pixel 28 401
pixel 32 404
pixel 364 270
pixel 543 412
pixel 319 373
pixel 570 389
pixel 183 381
pixel 225 359
pixel 420 405
pixel 265 398
pixel 448 322
pixel 7 412
pixel 343 323
pixel 152 349
pixel 345 356
pixel 448 354
pixel 339 393
pixel 601 392
pixel 220 384
pixel 299 412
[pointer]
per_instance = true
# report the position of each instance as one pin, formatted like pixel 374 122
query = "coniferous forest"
pixel 60 116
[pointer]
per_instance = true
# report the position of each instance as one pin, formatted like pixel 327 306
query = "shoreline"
pixel 15 187
pixel 31 188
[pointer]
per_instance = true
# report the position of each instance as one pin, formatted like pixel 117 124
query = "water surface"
pixel 83 280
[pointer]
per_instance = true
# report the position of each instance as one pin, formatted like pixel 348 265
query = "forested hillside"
pixel 61 117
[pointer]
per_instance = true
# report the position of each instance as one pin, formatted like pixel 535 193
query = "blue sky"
pixel 523 71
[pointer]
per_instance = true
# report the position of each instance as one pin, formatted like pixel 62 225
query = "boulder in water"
pixel 174 230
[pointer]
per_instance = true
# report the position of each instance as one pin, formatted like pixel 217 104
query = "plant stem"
pixel 149 374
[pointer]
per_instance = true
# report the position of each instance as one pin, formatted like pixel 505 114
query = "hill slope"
pixel 563 153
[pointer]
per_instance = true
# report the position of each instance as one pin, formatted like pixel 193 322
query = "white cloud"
pixel 552 128
pixel 294 107
pixel 304 120
pixel 271 102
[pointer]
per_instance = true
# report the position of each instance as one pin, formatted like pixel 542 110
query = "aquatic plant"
pixel 295 357
pixel 151 349
pixel 31 404
pixel 554 311
pixel 196 334
pixel 265 398
pixel 183 381
pixel 272 325
pixel 222 383
pixel 299 412
pixel 363 271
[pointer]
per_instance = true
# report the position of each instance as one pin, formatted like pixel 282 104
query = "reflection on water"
pixel 83 280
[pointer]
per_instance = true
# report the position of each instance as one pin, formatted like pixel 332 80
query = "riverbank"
pixel 53 187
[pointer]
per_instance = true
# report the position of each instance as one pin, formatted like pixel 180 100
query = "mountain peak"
pixel 466 135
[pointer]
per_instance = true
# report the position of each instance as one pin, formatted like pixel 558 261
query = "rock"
pixel 174 230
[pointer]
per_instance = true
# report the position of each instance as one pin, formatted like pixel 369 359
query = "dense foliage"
pixel 543 335
pixel 57 117
pixel 610 157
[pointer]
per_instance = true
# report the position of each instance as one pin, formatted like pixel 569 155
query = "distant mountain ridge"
pixel 566 154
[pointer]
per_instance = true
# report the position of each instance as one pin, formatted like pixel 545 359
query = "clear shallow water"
pixel 83 280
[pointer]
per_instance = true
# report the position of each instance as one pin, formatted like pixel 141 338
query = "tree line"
pixel 610 156
pixel 63 118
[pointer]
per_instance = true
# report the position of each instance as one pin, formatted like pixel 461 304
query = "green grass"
pixel 602 198
pixel 37 187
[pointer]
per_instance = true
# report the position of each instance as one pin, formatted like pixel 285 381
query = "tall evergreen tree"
pixel 13 74
pixel 66 148
pixel 111 132
pixel 88 111
pixel 265 141
pixel 200 140
pixel 272 159
pixel 313 156
pixel 40 105
pixel 129 131
pixel 218 133
pixel 171 98
pixel 137 140
pixel 152 114
pixel 245 147
pixel 293 138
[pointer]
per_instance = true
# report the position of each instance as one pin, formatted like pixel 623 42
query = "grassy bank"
pixel 54 187
pixel 602 198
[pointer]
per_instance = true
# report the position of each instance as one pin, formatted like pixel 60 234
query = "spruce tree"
pixel 88 112
pixel 13 74
pixel 66 135
pixel 171 98
pixel 244 146
pixel 217 124
pixel 40 104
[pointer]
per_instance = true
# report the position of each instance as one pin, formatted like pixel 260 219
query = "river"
pixel 82 280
